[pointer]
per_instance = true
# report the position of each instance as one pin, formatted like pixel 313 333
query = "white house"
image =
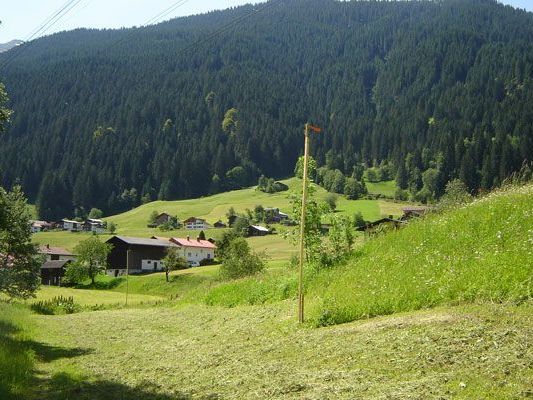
pixel 195 250
pixel 39 226
pixel 56 253
pixel 73 226
pixel 94 225
pixel 194 223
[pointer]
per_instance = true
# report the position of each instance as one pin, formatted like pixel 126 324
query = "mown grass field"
pixel 464 352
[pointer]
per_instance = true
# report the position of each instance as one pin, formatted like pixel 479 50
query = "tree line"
pixel 433 90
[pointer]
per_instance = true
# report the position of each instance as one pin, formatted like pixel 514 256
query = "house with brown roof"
pixel 56 253
pixel 195 223
pixel 136 255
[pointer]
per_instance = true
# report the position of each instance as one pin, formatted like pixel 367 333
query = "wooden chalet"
pixel 40 226
pixel 136 255
pixel 161 219
pixel 94 225
pixel 194 223
pixel 71 225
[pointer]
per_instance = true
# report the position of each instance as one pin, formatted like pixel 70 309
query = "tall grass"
pixel 483 251
pixel 267 288
pixel 16 357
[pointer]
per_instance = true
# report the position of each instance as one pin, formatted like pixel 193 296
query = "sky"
pixel 21 18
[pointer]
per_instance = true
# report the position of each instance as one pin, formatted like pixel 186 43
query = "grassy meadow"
pixel 213 208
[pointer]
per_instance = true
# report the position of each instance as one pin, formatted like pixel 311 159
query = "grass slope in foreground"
pixel 198 352
pixel 482 251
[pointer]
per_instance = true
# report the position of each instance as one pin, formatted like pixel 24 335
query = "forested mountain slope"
pixel 106 118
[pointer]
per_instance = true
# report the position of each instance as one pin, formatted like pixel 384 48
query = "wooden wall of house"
pixel 118 256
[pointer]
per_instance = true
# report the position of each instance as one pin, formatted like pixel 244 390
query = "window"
pixel 149 261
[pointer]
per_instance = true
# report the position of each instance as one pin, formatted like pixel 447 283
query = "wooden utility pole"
pixel 302 222
pixel 127 273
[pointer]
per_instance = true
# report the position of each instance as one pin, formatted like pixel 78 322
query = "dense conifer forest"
pixel 113 118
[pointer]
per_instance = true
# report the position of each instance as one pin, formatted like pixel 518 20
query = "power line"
pixel 48 21
pixel 230 25
pixel 152 20
pixel 43 28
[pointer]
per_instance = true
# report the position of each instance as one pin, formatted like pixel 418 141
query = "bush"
pixel 57 305
pixel 239 261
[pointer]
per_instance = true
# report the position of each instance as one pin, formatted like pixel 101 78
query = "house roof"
pixel 194 219
pixel 94 221
pixel 143 241
pixel 47 249
pixel 70 221
pixel 40 223
pixel 205 244
pixel 54 264
pixel 260 228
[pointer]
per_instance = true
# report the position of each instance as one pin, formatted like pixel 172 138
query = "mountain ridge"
pixel 442 85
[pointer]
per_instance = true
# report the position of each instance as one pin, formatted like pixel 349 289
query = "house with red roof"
pixel 195 250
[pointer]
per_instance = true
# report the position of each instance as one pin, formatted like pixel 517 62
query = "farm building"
pixel 275 215
pixel 219 224
pixel 413 212
pixel 52 271
pixel 136 255
pixel 161 219
pixel 257 230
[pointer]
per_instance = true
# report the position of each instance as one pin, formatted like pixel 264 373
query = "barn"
pixel 136 255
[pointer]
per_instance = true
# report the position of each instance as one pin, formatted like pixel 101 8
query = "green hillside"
pixel 213 208
pixel 482 251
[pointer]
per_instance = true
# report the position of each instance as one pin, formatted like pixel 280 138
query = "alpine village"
pixel 290 199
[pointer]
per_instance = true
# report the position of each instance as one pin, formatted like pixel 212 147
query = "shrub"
pixel 57 305
pixel 239 261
